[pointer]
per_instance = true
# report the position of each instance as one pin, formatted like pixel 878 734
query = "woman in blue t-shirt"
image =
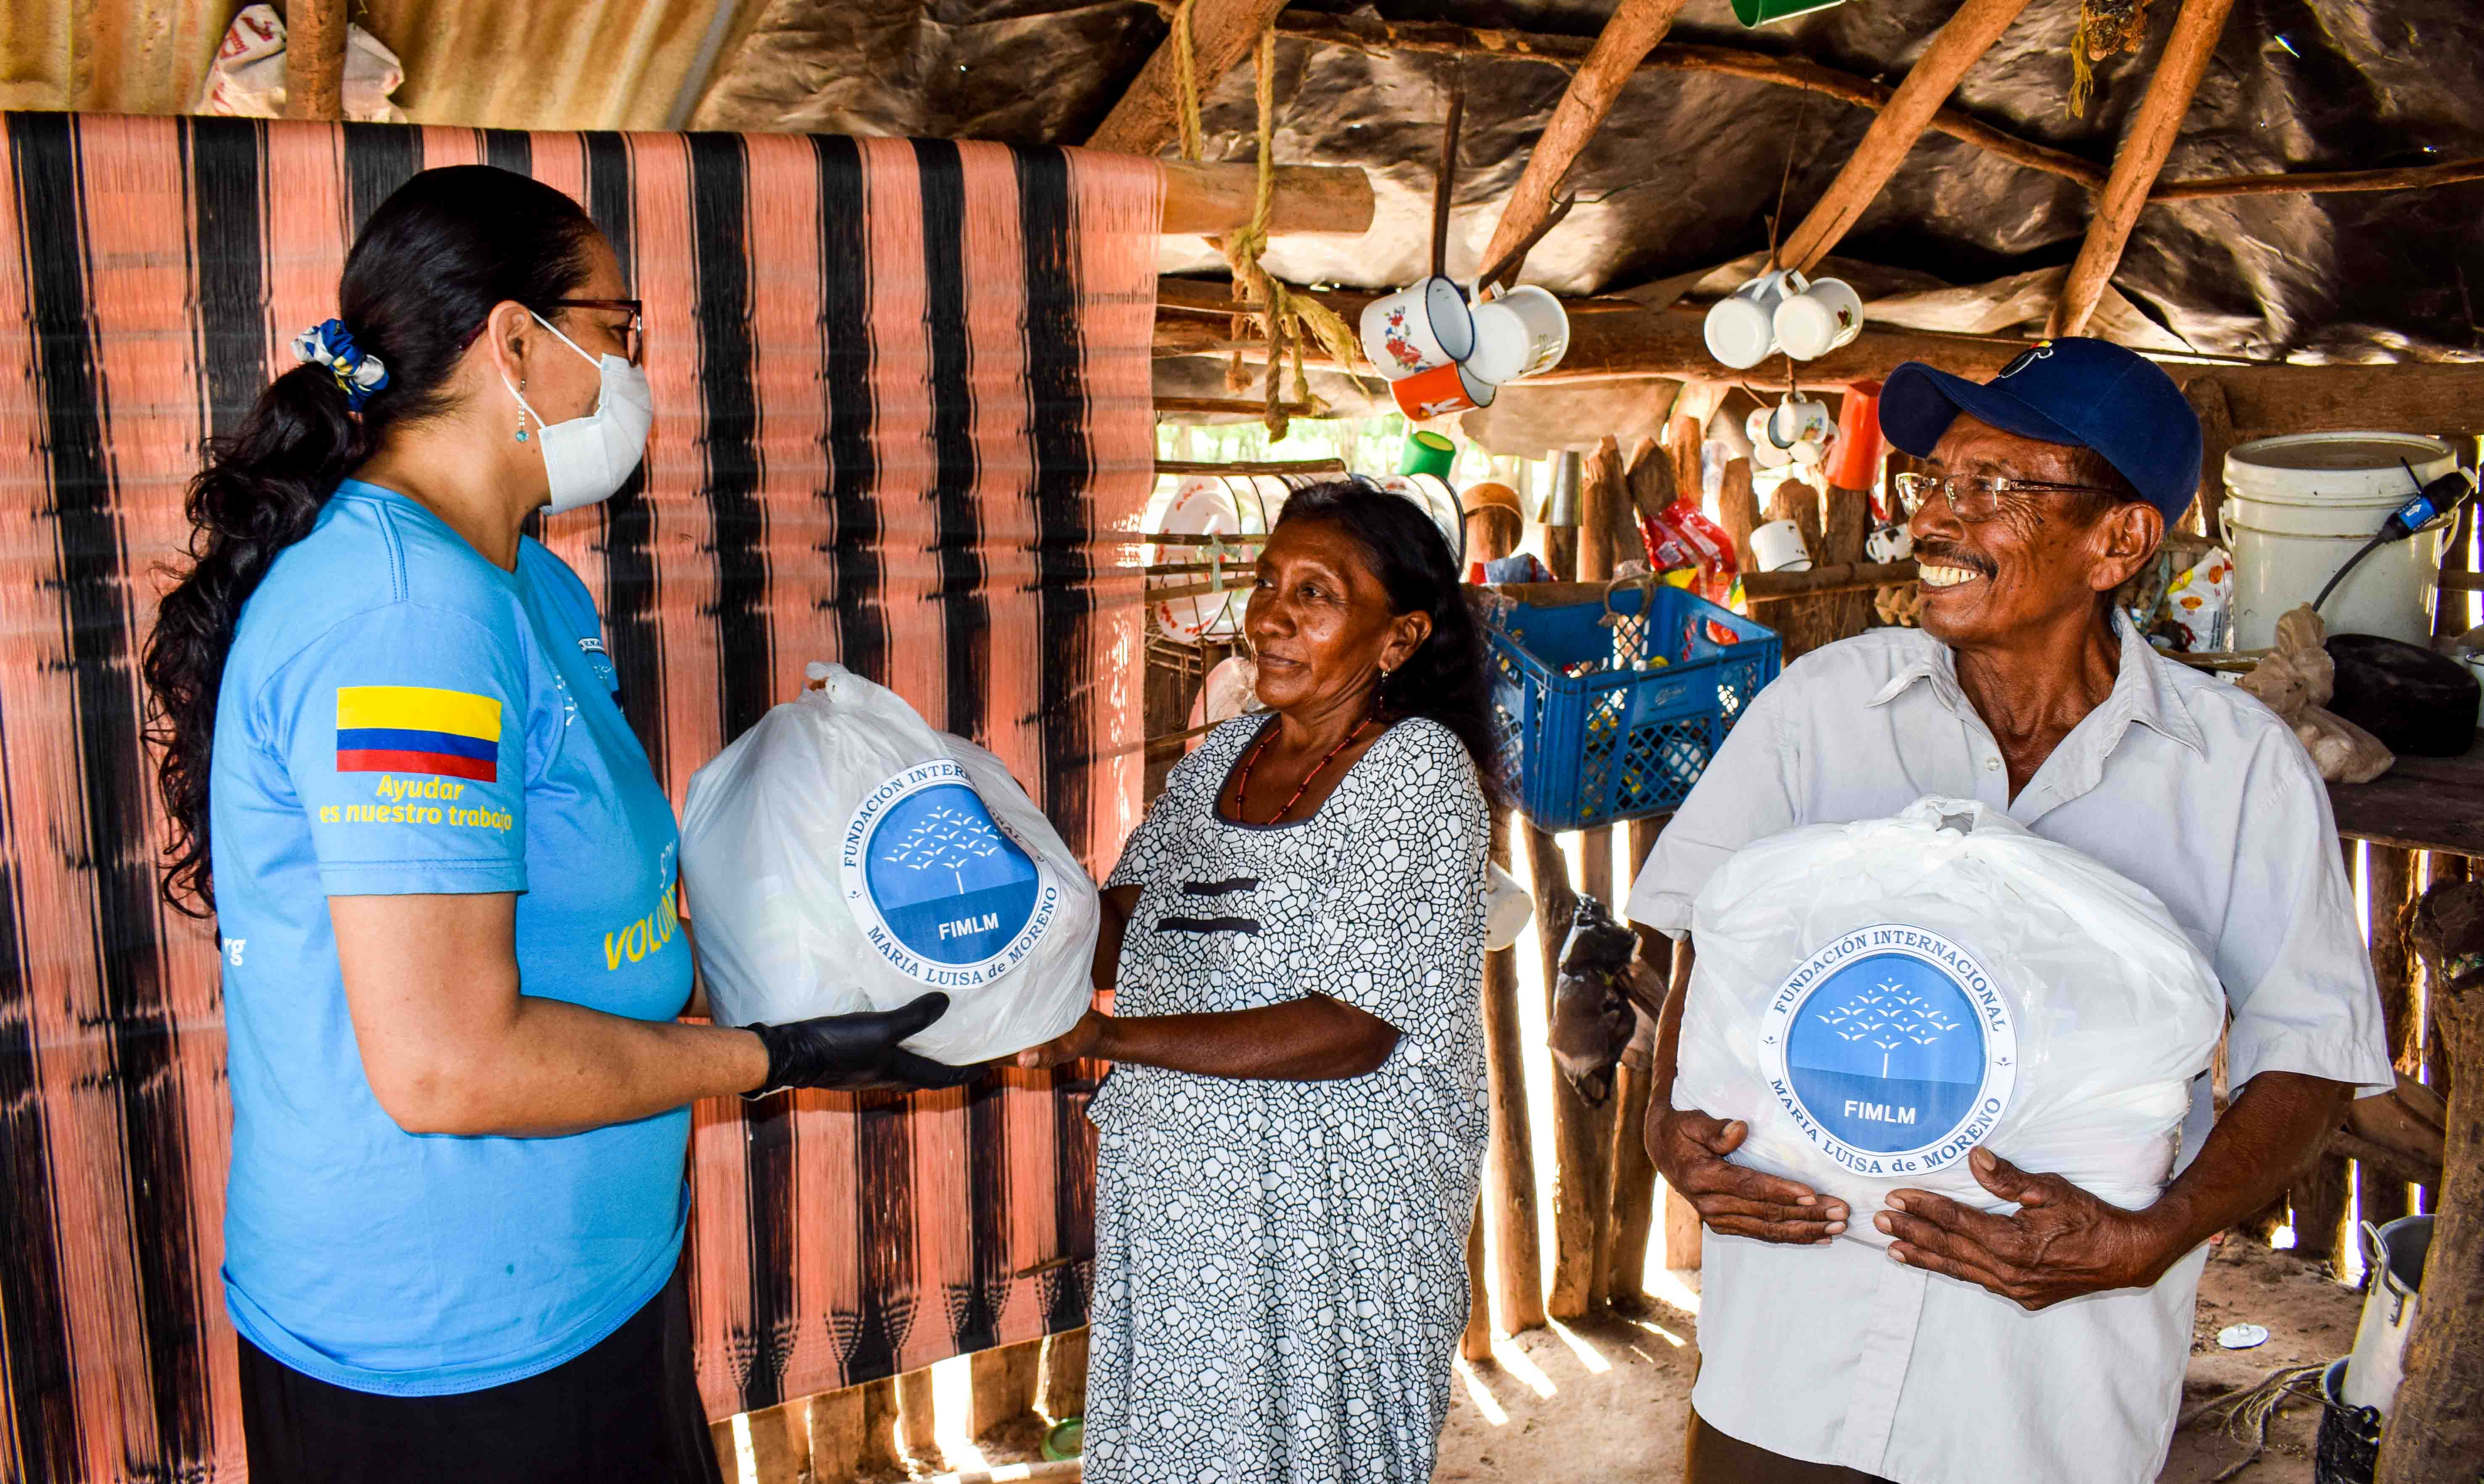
pixel 445 880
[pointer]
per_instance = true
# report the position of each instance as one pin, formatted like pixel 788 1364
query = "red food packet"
pixel 1682 536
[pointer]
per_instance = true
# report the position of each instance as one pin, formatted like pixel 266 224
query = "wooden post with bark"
pixel 1148 117
pixel 1632 30
pixel 2388 883
pixel 1475 1344
pixel 1516 1247
pixel 315 59
pixel 1962 41
pixel 2135 165
pixel 1634 1174
pixel 2435 1428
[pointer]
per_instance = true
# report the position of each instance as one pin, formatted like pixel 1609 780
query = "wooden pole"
pixel 1633 1177
pixel 853 1432
pixel 1004 1379
pixel 1634 28
pixel 1147 119
pixel 1307 199
pixel 2207 400
pixel 916 1438
pixel 1509 1172
pixel 1604 493
pixel 1836 577
pixel 315 59
pixel 1063 1389
pixel 1738 510
pixel 1369 33
pixel 1475 1344
pixel 2388 883
pixel 1962 41
pixel 2411 177
pixel 1580 1206
pixel 2135 165
pixel 2436 1429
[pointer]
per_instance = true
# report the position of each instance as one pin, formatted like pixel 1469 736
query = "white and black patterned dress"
pixel 1281 1266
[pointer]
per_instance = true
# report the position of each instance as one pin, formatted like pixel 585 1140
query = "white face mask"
pixel 588 458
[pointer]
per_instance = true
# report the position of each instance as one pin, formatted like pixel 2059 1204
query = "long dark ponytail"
pixel 1445 677
pixel 422 276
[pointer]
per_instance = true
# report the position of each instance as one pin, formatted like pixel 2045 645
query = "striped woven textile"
pixel 903 402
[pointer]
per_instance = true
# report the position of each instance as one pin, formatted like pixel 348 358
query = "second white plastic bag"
pixel 841 856
pixel 1877 999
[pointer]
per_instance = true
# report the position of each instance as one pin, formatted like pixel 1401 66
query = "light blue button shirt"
pixel 2182 783
pixel 400 716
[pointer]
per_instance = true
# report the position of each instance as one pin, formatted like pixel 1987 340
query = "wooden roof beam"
pixel 1633 32
pixel 1960 43
pixel 1443 39
pixel 1146 118
pixel 2135 165
pixel 1616 340
pixel 1309 198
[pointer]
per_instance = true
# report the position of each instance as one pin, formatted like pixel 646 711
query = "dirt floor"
pixel 1607 1400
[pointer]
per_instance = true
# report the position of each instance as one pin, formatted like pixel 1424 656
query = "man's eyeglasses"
pixel 633 335
pixel 1976 499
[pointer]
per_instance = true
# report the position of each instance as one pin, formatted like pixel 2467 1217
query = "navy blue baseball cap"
pixel 2089 392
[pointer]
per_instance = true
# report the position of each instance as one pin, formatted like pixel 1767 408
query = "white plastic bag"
pixel 841 856
pixel 1877 999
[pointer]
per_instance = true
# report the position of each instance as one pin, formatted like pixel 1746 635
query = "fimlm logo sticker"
pixel 942 890
pixel 1892 1050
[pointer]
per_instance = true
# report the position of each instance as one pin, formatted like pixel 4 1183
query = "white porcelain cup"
pixel 1742 327
pixel 1519 334
pixel 1777 547
pixel 1418 327
pixel 1818 320
pixel 1797 420
pixel 1889 542
pixel 1763 454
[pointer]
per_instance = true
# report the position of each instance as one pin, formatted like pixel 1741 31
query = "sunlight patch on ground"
pixel 1482 1394
pixel 1514 1361
pixel 1588 1355
pixel 952 1414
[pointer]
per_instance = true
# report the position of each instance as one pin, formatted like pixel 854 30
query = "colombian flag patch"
pixel 415 729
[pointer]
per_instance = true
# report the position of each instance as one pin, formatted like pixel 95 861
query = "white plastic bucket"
pixel 2299 506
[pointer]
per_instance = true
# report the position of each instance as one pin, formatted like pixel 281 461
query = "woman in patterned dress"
pixel 1290 1138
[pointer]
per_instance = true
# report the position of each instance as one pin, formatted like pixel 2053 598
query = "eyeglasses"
pixel 1973 499
pixel 634 337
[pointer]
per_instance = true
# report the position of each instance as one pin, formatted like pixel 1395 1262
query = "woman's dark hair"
pixel 424 274
pixel 1447 677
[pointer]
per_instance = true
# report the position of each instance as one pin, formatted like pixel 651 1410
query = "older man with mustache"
pixel 2047 1345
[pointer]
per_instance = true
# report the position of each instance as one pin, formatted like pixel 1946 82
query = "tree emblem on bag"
pixel 947 840
pixel 1890 1017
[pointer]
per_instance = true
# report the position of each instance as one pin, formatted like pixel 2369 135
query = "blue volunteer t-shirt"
pixel 400 716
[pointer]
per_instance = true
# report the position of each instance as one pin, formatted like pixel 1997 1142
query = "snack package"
pixel 1878 999
pixel 1683 537
pixel 841 856
pixel 2198 605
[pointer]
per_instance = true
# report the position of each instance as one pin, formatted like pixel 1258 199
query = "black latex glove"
pixel 853 1053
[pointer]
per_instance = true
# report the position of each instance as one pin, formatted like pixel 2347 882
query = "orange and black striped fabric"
pixel 902 408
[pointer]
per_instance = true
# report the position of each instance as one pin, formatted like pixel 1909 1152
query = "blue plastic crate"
pixel 1587 738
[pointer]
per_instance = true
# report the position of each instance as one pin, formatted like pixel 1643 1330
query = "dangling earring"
pixel 522 410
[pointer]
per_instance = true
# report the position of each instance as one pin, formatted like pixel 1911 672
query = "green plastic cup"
pixel 1427 452
pixel 1759 13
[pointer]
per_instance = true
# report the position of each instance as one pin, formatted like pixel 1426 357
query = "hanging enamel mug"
pixel 1519 334
pixel 1440 390
pixel 1820 318
pixel 1418 328
pixel 1742 327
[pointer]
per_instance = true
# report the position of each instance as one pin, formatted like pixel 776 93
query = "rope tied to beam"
pixel 1285 317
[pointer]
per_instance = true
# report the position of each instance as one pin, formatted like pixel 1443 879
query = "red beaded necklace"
pixel 1242 788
